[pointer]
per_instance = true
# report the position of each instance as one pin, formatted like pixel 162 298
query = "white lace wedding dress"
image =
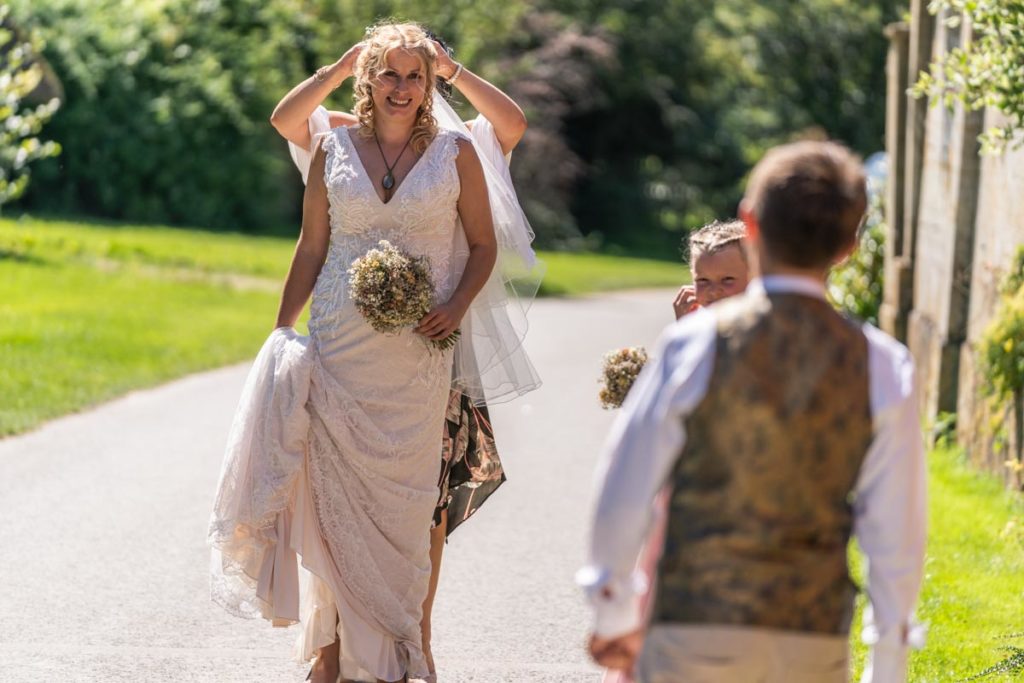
pixel 334 453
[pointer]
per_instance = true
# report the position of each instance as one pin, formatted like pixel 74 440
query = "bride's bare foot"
pixel 325 666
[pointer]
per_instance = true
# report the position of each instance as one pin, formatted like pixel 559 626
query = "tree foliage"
pixel 645 115
pixel 558 65
pixel 167 103
pixel 855 287
pixel 20 74
pixel 986 72
pixel 699 91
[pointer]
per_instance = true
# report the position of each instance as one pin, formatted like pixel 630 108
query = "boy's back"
pixel 780 428
pixel 760 507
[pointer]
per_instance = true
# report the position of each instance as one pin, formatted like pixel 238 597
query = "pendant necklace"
pixel 388 181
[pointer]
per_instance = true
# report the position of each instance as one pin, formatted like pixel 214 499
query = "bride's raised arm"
pixel 505 115
pixel 291 115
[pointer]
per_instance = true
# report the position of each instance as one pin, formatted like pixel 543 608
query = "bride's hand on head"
pixel 445 64
pixel 441 321
pixel 348 60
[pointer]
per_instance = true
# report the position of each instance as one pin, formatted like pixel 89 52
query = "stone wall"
pixel 956 221
pixel 999 232
pixel 944 233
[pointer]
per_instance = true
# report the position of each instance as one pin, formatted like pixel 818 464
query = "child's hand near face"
pixel 686 301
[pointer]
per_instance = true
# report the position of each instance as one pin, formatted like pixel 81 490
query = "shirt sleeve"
pixel 641 449
pixel 890 512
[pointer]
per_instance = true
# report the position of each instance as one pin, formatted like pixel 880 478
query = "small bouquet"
pixel 619 372
pixel 393 290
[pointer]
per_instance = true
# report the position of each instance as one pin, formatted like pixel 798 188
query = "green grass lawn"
pixel 196 252
pixel 572 274
pixel 973 595
pixel 90 311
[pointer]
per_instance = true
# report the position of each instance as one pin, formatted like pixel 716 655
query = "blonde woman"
pixel 333 454
pixel 470 467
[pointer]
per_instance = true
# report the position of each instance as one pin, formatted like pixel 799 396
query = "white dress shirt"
pixel 889 505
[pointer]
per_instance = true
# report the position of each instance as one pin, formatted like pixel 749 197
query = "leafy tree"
pixel 645 115
pixel 167 107
pixel 806 66
pixel 697 93
pixel 20 75
pixel 986 72
pixel 168 100
pixel 552 70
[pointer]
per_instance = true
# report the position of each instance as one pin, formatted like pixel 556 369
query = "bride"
pixel 471 468
pixel 333 452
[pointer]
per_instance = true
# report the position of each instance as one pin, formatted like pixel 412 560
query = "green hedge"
pixel 855 286
pixel 645 115
pixel 168 101
pixel 166 110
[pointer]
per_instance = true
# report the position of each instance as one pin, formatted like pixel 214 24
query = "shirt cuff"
pixel 887 663
pixel 887 659
pixel 616 602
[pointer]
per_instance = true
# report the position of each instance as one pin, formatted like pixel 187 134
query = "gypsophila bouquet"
pixel 393 290
pixel 618 374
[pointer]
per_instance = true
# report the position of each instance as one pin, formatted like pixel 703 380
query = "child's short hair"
pixel 715 237
pixel 809 199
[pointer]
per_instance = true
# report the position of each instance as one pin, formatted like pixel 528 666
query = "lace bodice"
pixel 421 218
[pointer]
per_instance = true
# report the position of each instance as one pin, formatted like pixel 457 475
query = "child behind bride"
pixel 718 264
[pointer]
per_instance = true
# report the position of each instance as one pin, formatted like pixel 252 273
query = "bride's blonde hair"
pixel 373 59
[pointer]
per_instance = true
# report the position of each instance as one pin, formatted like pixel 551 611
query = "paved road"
pixel 103 563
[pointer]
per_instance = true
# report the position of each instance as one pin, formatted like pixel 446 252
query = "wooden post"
pixel 967 188
pixel 897 296
pixel 919 55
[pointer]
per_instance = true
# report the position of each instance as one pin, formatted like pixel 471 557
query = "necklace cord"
pixel 388 181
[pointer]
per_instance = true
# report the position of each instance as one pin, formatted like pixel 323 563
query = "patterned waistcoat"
pixel 760 513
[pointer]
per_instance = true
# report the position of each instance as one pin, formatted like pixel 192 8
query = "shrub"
pixel 855 286
pixel 167 107
pixel 1001 352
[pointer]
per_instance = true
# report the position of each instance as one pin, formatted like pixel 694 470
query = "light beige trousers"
pixel 730 654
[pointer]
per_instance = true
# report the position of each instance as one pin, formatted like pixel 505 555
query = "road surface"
pixel 103 561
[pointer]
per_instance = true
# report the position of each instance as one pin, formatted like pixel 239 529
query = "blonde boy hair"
pixel 714 237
